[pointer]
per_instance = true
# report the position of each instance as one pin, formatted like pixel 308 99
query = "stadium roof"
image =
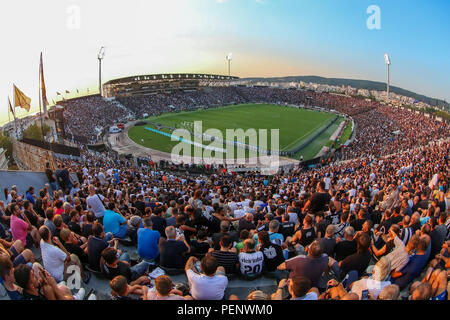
pixel 171 76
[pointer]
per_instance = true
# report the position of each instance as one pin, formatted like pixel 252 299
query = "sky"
pixel 328 38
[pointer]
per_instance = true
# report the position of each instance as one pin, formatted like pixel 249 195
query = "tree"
pixel 34 132
pixel 5 143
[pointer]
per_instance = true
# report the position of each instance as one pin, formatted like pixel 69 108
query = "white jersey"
pixel 251 263
pixel 239 213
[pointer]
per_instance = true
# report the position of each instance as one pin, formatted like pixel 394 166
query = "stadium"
pixel 326 140
pixel 210 187
pixel 156 105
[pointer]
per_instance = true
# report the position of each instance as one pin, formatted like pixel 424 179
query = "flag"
pixel 43 90
pixel 21 100
pixel 78 91
pixel 58 94
pixel 67 91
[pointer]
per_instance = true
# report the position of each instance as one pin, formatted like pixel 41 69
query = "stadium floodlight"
pixel 229 57
pixel 101 56
pixel 387 59
pixel 388 62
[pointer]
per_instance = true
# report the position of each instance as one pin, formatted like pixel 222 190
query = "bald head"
pixel 390 292
pixel 249 217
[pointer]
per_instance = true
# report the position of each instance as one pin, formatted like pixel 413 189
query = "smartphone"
pixel 365 295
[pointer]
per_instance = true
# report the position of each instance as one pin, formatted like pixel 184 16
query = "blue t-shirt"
pixel 112 221
pixel 116 178
pixel 148 243
pixel 276 238
pixel 415 265
pixel 30 198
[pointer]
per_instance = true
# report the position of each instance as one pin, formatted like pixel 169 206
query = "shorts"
pixel 19 260
pixel 14 253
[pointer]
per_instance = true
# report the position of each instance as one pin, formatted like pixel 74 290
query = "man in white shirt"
pixel 239 213
pixel 55 257
pixel 95 202
pixel 211 283
pixel 102 178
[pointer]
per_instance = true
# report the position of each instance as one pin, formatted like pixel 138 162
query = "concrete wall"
pixel 23 180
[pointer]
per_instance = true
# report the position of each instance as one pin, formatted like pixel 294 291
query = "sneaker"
pixel 92 297
pixel 80 294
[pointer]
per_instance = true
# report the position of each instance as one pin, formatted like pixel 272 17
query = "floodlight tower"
pixel 388 62
pixel 229 58
pixel 101 56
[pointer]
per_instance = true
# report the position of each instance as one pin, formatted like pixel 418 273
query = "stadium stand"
pixel 372 227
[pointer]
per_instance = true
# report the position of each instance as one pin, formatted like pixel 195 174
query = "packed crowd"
pixel 363 229
pixel 86 117
pixel 373 227
pixel 381 130
pixel 181 101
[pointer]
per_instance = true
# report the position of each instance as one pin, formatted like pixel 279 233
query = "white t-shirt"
pixel 293 217
pixel 327 183
pixel 374 287
pixel 95 205
pixel 102 178
pixel 239 213
pixel 233 206
pixel 251 263
pixel 308 296
pixel 206 288
pixel 53 259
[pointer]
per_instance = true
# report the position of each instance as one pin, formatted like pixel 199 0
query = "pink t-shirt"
pixel 19 229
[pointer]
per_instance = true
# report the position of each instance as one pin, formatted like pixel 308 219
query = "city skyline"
pixel 268 39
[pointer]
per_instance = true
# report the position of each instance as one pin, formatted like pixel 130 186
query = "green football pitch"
pixel 295 126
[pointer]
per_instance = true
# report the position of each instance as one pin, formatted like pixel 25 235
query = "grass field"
pixel 295 125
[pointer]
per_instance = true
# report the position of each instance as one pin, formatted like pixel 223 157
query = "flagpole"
pixel 39 97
